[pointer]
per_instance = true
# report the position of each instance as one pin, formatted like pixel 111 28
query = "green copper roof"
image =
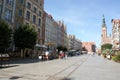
pixel 103 21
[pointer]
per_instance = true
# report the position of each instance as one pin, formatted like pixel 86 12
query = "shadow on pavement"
pixel 24 61
pixel 67 79
pixel 8 66
pixel 14 77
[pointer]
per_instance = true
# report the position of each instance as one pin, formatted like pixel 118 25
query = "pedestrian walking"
pixel 65 55
pixel 40 57
pixel 46 55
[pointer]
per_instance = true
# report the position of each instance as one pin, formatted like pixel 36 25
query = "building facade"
pixel 89 46
pixel 71 41
pixel 7 11
pixel 55 33
pixel 104 37
pixel 77 44
pixel 116 33
pixel 50 37
pixel 30 12
pixel 19 12
pixel 74 43
pixel 62 34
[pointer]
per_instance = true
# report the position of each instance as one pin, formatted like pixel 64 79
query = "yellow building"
pixel 30 12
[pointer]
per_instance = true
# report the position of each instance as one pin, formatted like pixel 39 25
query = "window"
pixel 8 15
pixel 39 13
pixel 21 1
pixel 18 25
pixel 39 30
pixel 28 15
pixel 20 13
pixel 40 4
pixel 9 2
pixel 36 1
pixel 34 19
pixel 35 9
pixel 27 23
pixel 39 22
pixel 28 5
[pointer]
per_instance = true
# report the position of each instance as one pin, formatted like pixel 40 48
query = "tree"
pixel 106 46
pixel 5 36
pixel 25 37
pixel 64 49
pixel 61 48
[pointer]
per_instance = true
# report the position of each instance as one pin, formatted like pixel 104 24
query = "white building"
pixel 55 33
pixel 74 43
pixel 49 32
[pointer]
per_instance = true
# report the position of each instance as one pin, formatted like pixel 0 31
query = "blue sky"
pixel 84 17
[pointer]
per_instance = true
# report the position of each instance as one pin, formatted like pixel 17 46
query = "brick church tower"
pixel 104 37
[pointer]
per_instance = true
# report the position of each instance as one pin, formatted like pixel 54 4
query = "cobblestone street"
pixel 86 67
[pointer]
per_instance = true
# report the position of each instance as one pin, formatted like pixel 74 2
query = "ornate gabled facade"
pixel 104 37
pixel 116 33
pixel 55 33
pixel 74 43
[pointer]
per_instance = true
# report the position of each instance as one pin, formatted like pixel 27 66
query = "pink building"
pixel 89 46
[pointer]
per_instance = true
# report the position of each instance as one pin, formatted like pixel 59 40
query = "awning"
pixel 40 46
pixel 73 50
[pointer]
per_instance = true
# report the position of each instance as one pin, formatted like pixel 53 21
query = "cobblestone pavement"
pixel 85 67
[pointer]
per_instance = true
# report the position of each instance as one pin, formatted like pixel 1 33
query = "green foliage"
pixel 25 37
pixel 61 48
pixel 106 46
pixel 106 51
pixel 5 36
pixel 116 58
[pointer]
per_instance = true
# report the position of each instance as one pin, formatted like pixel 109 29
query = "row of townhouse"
pixel 55 33
pixel 18 12
pixel 74 43
pixel 51 33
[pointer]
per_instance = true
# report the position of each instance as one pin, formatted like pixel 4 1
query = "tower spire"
pixel 103 21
